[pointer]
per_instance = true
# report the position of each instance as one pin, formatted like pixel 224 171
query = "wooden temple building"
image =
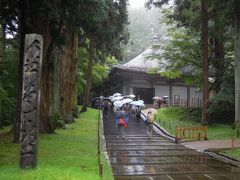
pixel 133 78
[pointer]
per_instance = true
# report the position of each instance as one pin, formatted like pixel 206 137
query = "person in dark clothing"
pixel 138 114
pixel 105 107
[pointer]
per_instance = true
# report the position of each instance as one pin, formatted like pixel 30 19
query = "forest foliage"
pixel 68 28
pixel 183 51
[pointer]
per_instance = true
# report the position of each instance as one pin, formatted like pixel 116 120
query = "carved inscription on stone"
pixel 30 100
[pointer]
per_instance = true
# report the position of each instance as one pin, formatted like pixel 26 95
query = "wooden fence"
pixel 185 102
pixel 191 133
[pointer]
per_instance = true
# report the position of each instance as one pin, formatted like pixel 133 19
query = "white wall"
pixel 181 91
pixel 194 94
pixel 161 91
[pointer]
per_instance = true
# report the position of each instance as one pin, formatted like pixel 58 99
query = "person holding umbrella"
pixel 150 120
pixel 138 104
pixel 120 121
pixel 127 110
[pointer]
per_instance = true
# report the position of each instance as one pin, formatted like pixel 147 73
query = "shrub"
pixel 56 121
pixel 222 105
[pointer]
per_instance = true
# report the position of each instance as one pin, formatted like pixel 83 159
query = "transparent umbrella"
pixel 124 101
pixel 116 94
pixel 156 97
pixel 131 96
pixel 118 104
pixel 117 98
pixel 137 103
pixel 165 97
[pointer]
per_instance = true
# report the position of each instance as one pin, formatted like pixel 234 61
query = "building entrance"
pixel 146 94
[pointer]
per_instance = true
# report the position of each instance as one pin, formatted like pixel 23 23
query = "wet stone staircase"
pixel 136 158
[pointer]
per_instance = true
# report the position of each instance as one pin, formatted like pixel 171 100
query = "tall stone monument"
pixel 30 106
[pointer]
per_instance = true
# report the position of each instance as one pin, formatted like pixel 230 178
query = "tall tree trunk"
pixel 219 50
pixel 219 64
pixel 204 39
pixel 22 32
pixel 89 74
pixel 74 73
pixel 47 79
pixel 68 74
pixel 2 52
pixel 37 23
pixel 237 61
pixel 40 24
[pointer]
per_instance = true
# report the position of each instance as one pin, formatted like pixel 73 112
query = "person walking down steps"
pixel 121 122
pixel 149 122
pixel 138 114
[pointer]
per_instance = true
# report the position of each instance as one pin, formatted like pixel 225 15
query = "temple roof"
pixel 141 62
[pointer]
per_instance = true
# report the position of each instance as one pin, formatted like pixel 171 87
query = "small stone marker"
pixel 30 106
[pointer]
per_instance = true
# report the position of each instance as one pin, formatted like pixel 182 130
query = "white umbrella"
pixel 141 101
pixel 156 97
pixel 108 98
pixel 116 94
pixel 117 98
pixel 137 103
pixel 118 104
pixel 164 97
pixel 132 96
pixel 133 102
pixel 124 101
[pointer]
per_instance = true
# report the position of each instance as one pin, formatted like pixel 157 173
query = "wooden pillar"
pixel 188 96
pixel 30 105
pixel 127 85
pixel 170 92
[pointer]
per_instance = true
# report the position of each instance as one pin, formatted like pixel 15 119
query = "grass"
pixel 70 153
pixel 169 118
pixel 172 117
pixel 233 153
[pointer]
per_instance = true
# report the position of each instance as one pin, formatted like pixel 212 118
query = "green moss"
pixel 70 153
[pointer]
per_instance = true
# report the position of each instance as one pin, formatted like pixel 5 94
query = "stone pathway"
pixel 136 158
pixel 213 144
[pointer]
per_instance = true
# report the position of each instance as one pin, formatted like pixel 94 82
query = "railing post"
pixel 100 166
pixel 189 133
pixel 98 138
pixel 205 133
pixel 184 133
pixel 181 133
pixel 193 135
pixel 176 135
pixel 100 170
